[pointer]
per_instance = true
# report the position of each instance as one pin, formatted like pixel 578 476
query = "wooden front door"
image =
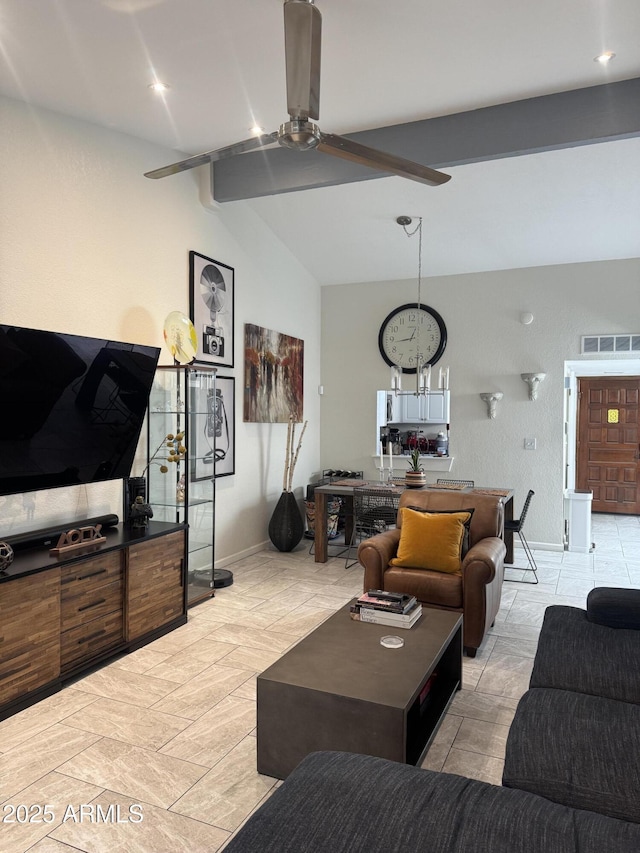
pixel 608 449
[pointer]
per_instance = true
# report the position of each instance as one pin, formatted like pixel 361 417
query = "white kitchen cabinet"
pixel 430 409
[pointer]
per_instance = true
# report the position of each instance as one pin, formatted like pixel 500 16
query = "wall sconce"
pixel 491 398
pixel 533 380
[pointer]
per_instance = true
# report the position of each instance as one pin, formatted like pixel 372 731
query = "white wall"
pixel 487 350
pixel 89 246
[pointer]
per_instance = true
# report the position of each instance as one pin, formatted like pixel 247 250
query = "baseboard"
pixel 223 562
pixel 543 546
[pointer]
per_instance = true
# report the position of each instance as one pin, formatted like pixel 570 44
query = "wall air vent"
pixel 610 343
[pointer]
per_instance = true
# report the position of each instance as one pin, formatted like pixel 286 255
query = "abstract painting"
pixel 273 376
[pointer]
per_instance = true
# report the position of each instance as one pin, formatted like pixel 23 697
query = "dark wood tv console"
pixel 61 616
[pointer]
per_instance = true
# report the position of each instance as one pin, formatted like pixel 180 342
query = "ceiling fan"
pixel 302 39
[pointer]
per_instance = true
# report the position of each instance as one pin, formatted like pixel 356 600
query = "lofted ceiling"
pixel 382 64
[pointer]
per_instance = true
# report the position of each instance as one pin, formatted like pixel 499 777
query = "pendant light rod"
pixel 423 371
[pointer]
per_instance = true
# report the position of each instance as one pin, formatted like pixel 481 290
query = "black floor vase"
pixel 286 527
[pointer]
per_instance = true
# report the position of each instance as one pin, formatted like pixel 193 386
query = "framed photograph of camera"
pixel 213 440
pixel 211 299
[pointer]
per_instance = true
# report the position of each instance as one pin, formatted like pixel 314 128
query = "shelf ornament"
pixel 533 380
pixel 491 398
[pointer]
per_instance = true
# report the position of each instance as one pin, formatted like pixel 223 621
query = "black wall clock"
pixel 407 326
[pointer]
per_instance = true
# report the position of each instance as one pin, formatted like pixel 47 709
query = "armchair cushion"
pixel 431 540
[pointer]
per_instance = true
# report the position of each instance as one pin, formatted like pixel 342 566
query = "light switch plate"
pixel 529 444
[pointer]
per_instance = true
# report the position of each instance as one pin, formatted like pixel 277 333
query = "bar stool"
pixel 516 526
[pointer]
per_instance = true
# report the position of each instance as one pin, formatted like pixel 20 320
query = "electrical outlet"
pixel 529 444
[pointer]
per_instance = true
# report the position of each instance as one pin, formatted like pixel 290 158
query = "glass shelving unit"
pixel 182 405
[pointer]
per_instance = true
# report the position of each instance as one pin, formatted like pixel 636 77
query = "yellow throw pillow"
pixel 431 540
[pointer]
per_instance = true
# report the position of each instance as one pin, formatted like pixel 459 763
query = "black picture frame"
pixel 214 430
pixel 211 309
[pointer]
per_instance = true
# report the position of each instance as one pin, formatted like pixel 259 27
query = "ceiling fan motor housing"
pixel 299 135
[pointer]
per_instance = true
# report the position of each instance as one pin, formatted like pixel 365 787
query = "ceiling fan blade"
pixel 340 146
pixel 212 156
pixel 302 43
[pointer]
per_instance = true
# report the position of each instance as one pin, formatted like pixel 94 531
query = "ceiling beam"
pixel 563 120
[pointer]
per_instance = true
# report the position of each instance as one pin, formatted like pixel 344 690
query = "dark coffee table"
pixel 339 689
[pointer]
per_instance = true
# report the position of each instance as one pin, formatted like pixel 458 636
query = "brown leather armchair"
pixel 473 591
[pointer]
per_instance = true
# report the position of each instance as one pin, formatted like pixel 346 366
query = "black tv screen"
pixel 72 408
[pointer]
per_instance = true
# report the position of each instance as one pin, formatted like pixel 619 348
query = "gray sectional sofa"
pixel 571 779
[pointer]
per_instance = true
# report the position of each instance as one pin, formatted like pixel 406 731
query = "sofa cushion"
pixel 614 607
pixel 343 803
pixel 578 750
pixel 431 540
pixel 576 654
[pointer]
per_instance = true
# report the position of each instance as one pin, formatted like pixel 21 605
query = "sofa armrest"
pixel 375 555
pixel 615 608
pixel 482 575
pixel 483 560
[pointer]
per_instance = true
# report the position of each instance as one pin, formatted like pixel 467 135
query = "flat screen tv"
pixel 72 408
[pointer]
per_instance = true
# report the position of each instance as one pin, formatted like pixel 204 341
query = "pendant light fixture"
pixel 423 368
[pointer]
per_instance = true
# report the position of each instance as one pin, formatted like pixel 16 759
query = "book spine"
pixel 377 618
pixel 400 609
pixel 392 611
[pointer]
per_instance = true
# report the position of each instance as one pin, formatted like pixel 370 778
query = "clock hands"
pixel 403 340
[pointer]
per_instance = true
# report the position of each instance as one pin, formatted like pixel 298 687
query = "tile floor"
pixel 171 727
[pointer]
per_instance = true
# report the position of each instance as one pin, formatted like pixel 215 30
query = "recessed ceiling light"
pixel 158 86
pixel 605 57
pixel 256 130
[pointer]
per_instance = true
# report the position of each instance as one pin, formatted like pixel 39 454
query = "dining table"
pixel 344 490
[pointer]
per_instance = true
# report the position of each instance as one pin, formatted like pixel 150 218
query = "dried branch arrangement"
pixel 175 451
pixel 291 458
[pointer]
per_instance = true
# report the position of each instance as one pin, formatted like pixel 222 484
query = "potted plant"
pixel 414 477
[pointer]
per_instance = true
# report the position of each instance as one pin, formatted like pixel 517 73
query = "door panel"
pixel 608 449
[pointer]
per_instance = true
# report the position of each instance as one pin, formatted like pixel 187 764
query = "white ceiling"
pixel 383 63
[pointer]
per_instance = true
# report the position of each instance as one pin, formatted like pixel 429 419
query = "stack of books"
pixel 394 609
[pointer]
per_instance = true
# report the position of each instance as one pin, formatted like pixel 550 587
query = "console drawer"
pixel 89 639
pixel 89 604
pixel 89 574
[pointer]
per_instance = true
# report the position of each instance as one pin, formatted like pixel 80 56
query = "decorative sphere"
pixel 6 555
